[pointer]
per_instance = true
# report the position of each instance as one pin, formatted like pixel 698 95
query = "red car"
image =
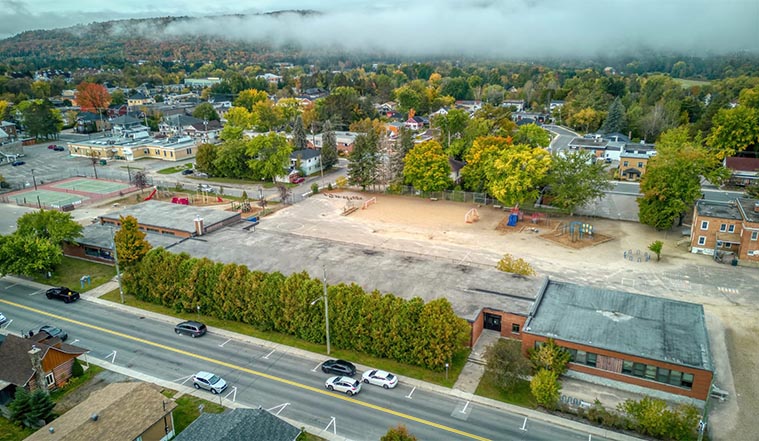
pixel 296 179
pixel 51 146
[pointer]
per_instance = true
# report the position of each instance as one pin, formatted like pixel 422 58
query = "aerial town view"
pixel 443 220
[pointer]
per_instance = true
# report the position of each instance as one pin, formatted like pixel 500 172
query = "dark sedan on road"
pixel 17 163
pixel 55 332
pixel 62 293
pixel 339 367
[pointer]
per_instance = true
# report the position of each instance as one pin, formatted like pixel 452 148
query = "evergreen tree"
pixel 41 409
pixel 20 406
pixel 403 145
pixel 615 119
pixel 363 161
pixel 329 146
pixel 299 134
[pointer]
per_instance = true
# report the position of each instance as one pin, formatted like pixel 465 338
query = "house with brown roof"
pixel 117 412
pixel 743 171
pixel 34 361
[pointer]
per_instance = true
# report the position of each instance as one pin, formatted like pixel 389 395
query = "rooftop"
pixel 650 327
pixel 239 425
pixel 15 364
pixel 589 143
pixel 749 208
pixel 118 141
pixel 742 164
pixel 171 216
pixel 721 210
pixel 101 236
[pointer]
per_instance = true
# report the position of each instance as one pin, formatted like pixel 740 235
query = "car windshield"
pixel 390 376
pixel 214 379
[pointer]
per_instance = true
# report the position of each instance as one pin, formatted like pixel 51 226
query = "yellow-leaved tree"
pixel 515 174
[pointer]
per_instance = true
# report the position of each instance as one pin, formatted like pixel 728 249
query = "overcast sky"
pixel 432 27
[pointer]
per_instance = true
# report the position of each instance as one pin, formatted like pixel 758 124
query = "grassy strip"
pixel 187 410
pixel 12 432
pixel 398 368
pixel 174 169
pixel 519 395
pixel 70 270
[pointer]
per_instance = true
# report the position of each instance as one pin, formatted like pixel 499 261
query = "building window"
pixel 639 369
pixel 662 375
pixel 731 228
pixel 702 240
pixel 591 359
pixel 675 378
pixel 719 244
pixel 723 228
pixel 49 379
pixel 515 328
pixel 581 357
pixel 704 225
pixel 627 367
pixel 624 164
pixel 687 381
pixel 754 235
pixel 640 165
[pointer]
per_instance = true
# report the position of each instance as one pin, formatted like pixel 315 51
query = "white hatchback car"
pixel 380 378
pixel 343 384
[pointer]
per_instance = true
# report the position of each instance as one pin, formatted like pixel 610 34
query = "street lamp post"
pixel 326 308
pixel 116 258
pixel 34 180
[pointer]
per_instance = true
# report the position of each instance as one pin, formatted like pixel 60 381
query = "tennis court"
pixel 47 198
pixel 91 186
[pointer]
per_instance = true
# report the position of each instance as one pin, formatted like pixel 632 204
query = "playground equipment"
pixel 579 230
pixel 152 193
pixel 180 201
pixel 368 202
pixel 472 216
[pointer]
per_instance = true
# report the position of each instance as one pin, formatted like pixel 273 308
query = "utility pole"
pixel 326 307
pixel 116 258
pixel 35 181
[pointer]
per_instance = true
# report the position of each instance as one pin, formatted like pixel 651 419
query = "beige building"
pixel 131 149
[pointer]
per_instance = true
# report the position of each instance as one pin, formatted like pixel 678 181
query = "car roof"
pixel 191 322
pixel 204 374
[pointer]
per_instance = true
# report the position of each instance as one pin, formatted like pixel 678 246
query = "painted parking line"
pixel 292 383
pixel 272 351
pixel 317 367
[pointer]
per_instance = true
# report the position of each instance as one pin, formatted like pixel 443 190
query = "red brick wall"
pixel 507 319
pixel 78 251
pixel 701 379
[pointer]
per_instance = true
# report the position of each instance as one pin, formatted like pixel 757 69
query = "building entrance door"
pixel 493 322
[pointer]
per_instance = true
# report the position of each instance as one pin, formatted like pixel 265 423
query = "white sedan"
pixel 380 378
pixel 343 384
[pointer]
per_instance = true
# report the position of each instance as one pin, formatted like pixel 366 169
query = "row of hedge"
pixel 386 326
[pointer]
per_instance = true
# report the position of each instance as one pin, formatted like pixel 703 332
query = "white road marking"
pixel 281 407
pixel 524 425
pixel 465 406
pixel 222 345
pixel 272 351
pixel 317 367
pixel 409 394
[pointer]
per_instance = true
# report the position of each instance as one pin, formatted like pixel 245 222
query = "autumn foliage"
pixel 92 97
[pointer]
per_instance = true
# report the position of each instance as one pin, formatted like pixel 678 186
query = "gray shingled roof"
pixel 650 327
pixel 239 425
pixel 172 216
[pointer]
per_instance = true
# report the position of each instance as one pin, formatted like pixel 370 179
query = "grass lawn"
pixel 401 369
pixel 520 395
pixel 12 432
pixel 175 169
pixel 685 83
pixel 187 410
pixel 70 270
pixel 74 383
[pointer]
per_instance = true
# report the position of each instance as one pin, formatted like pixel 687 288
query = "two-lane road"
pixel 266 376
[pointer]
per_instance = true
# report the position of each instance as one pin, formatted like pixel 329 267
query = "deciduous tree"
pixel 511 264
pixel 656 247
pixel 586 119
pixel 576 179
pixel 516 172
pixel 426 167
pixel 546 389
pixel 479 159
pixel 398 433
pixel 92 97
pixel 532 135
pixel 550 356
pixel 248 98
pixel 270 156
pixel 28 255
pixel 506 363
pixel 205 158
pixel 205 111
pixel 55 226
pixel 130 242
pixel 734 130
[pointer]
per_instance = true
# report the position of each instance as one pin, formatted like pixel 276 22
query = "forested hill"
pixel 131 40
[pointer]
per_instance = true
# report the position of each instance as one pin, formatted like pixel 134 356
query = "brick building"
pixel 726 228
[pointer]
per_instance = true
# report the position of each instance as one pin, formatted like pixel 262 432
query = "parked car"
pixel 52 146
pixel 2 318
pixel 59 148
pixel 339 367
pixel 54 332
pixel 188 171
pixel 209 381
pixel 201 175
pixel 296 179
pixel 17 163
pixel 205 188
pixel 191 328
pixel 380 378
pixel 62 293
pixel 343 384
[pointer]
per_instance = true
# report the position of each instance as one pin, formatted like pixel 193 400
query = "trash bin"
pixel 103 162
pixel 734 262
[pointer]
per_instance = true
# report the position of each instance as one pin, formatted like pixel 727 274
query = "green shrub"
pixel 314 188
pixel 545 388
pixel 76 369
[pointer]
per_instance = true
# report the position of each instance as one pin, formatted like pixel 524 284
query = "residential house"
pixel 344 140
pixel 394 128
pixel 9 129
pixel 239 425
pixel 414 123
pixel 201 83
pixel 178 125
pixel 596 146
pixel 470 106
pixel 633 161
pixel 314 93
pixel 440 111
pixel 307 160
pixel 139 99
pixel 721 228
pixel 116 110
pixel 127 124
pixel 207 131
pixel 555 104
pixel 387 107
pixel 456 167
pixel 88 122
pixel 270 78
pixel 516 105
pixel 743 171
pixel 30 363
pixel 616 137
pixel 118 412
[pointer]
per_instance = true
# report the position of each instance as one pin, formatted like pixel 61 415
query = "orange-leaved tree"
pixel 92 97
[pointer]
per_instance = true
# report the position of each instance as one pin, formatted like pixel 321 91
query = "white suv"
pixel 205 188
pixel 209 381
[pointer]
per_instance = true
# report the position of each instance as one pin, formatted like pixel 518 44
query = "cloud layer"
pixel 499 28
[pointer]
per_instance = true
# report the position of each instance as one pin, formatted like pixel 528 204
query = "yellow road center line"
pixel 252 372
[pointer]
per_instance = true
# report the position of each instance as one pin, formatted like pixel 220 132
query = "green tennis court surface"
pixel 91 186
pixel 48 198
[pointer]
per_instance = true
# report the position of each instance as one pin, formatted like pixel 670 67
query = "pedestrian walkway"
pixel 102 289
pixel 474 369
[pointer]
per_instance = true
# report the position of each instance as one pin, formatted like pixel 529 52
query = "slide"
pixel 152 193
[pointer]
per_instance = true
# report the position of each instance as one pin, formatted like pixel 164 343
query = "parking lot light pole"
pixel 34 180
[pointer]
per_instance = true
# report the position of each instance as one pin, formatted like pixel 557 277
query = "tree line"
pixel 381 325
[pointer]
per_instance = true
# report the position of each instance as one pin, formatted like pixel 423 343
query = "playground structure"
pixel 472 216
pixel 368 202
pixel 578 230
pixel 152 194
